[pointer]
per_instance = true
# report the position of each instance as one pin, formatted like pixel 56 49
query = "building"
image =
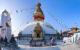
pixel 38 32
pixel 72 35
pixel 7 40
pixel 70 32
pixel 5 25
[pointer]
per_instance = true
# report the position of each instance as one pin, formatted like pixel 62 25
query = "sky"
pixel 61 14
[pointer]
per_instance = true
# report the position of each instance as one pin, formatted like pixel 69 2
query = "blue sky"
pixel 61 14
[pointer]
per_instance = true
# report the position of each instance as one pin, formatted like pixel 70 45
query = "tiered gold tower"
pixel 37 35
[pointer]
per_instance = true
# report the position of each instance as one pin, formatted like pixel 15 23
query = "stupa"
pixel 38 32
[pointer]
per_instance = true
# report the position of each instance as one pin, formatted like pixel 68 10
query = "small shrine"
pixel 37 36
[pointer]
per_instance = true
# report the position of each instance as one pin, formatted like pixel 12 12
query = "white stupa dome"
pixel 46 27
pixel 38 18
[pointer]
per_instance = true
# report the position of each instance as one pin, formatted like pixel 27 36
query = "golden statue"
pixel 38 32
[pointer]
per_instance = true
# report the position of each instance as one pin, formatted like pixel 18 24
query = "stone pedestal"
pixel 37 42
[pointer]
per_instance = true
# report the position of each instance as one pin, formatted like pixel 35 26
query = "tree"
pixel 12 40
pixel 58 36
pixel 5 40
pixel 1 40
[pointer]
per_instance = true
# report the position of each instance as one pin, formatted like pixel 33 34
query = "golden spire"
pixel 38 14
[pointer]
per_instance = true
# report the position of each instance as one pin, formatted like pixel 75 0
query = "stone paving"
pixel 58 47
pixel 70 47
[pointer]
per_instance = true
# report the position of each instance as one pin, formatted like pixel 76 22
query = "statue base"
pixel 37 42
